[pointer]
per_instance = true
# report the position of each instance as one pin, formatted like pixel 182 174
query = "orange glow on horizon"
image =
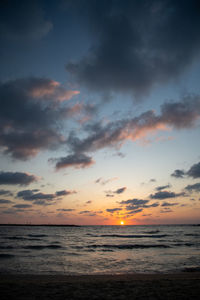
pixel 122 223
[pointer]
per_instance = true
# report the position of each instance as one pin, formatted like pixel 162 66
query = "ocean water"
pixel 99 249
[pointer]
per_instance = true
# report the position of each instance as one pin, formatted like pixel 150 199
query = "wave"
pixel 37 235
pixel 21 238
pixel 135 236
pixel 152 232
pixel 186 244
pixel 5 255
pixel 191 269
pixel 41 247
pixel 15 238
pixel 6 247
pixel 192 234
pixel 127 246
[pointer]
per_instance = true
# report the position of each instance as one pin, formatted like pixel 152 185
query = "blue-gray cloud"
pixel 65 209
pixel 162 187
pixel 120 190
pixel 15 178
pixel 167 204
pixel 22 205
pixel 112 210
pixel 178 173
pixel 39 198
pixel 193 187
pixel 133 206
pixel 5 193
pixel 137 44
pixel 65 193
pixel 134 202
pixel 29 195
pixel 5 201
pixel 76 160
pixel 34 110
pixel 165 195
pixel 193 172
pixel 23 20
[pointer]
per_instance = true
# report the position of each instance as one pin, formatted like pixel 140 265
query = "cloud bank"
pixel 176 115
pixel 23 20
pixel 137 44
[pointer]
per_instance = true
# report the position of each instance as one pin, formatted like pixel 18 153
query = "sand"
pixel 136 286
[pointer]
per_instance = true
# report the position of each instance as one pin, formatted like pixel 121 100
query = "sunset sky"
pixel 100 112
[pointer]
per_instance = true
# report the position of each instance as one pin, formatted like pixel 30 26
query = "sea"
pixel 74 250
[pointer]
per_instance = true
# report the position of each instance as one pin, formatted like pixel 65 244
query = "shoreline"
pixel 185 285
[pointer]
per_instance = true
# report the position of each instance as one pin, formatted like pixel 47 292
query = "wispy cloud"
pixel 162 187
pixel 105 181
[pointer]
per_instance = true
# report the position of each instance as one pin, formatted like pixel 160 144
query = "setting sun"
pixel 122 223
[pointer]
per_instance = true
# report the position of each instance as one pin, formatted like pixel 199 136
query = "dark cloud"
pixel 178 173
pixel 44 202
pixel 4 201
pixel 112 210
pixel 89 202
pixel 182 114
pixel 166 204
pixel 65 193
pixel 120 190
pixel 137 44
pixel 83 212
pixel 193 187
pixel 16 178
pixel 162 187
pixel 22 206
pixel 115 134
pixel 29 195
pixel 38 198
pixel 134 206
pixel 77 160
pixel 9 211
pixel 152 180
pixel 65 209
pixel 134 211
pixel 134 202
pixel 166 210
pixel 194 171
pixel 5 193
pixel 105 181
pixel 31 114
pixel 109 195
pixel 165 194
pixel 21 20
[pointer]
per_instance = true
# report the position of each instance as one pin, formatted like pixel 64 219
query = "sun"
pixel 122 223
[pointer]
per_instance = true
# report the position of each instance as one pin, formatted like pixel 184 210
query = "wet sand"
pixel 136 286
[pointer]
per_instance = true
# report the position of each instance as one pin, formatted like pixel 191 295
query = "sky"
pixel 100 112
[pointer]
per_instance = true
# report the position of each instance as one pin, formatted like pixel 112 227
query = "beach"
pixel 184 285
